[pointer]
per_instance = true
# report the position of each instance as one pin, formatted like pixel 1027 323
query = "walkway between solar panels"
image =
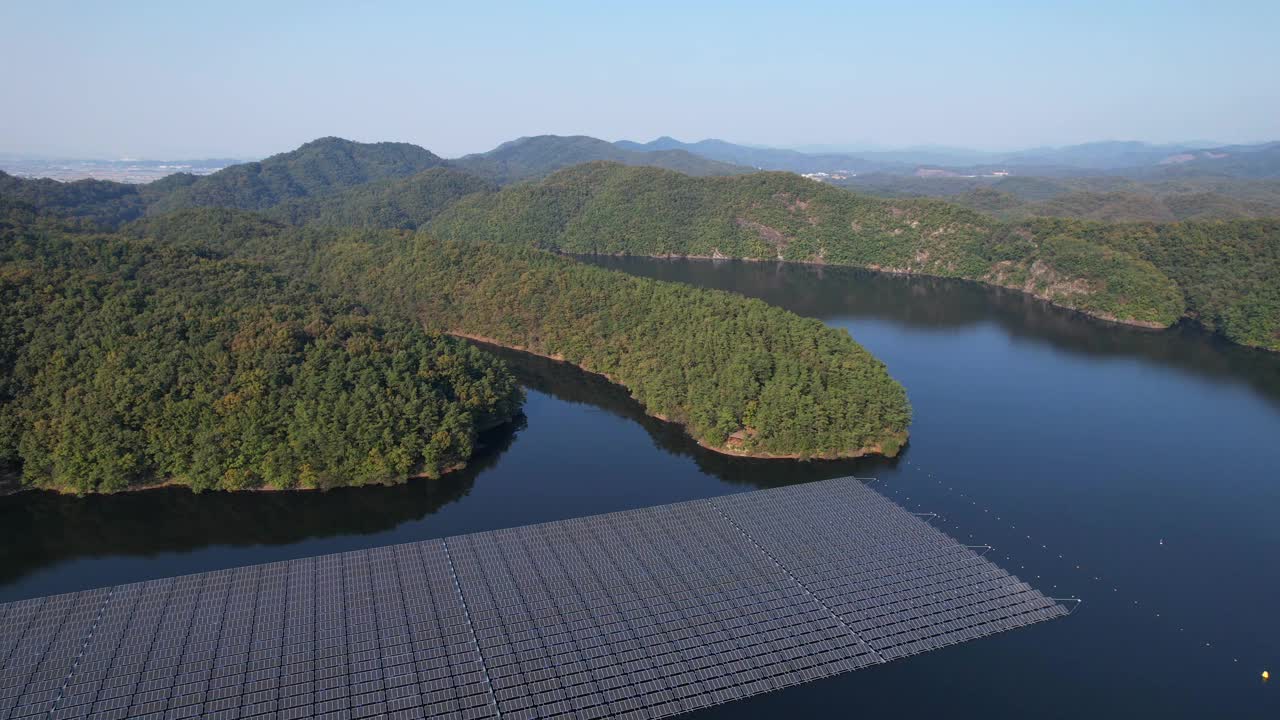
pixel 644 613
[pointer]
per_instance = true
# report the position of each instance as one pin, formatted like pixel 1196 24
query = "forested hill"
pixel 1228 271
pixel 127 362
pixel 317 168
pixel 535 157
pixel 740 375
pixel 612 209
pixel 299 178
pixel 404 203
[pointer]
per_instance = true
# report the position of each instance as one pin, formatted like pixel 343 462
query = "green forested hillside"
pixel 126 362
pixel 403 203
pixel 316 168
pixel 606 208
pixel 535 157
pixel 1229 272
pixel 720 364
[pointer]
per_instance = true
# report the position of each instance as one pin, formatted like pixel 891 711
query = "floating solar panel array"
pixel 644 613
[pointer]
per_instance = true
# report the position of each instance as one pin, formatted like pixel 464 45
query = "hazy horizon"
pixel 161 81
pixel 812 148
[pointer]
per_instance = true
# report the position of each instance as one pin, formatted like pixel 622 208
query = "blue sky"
pixel 178 79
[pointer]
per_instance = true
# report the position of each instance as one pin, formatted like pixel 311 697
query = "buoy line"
pixel 957 530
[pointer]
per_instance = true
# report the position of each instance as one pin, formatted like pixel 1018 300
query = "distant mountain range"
pixel 534 157
pixel 336 162
pixel 1129 158
pixel 337 181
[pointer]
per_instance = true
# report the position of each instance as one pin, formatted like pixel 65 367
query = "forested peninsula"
pixel 741 376
pixel 129 363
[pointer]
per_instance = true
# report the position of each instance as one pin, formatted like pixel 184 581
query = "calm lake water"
pixel 1137 470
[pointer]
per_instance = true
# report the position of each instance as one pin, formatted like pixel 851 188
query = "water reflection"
pixel 939 303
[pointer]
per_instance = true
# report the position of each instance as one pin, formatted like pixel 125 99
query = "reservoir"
pixel 1137 470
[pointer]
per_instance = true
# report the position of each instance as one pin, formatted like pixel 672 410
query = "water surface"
pixel 1147 460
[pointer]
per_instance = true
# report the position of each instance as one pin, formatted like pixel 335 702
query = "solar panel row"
pixel 645 613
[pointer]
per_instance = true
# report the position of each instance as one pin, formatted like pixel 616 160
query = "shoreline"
pixel 844 455
pixel 1142 324
pixel 13 486
pixel 1186 317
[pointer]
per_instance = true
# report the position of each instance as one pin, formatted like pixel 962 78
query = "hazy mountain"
pixel 1240 161
pixel 535 157
pixel 904 160
pixel 1107 157
pixel 756 157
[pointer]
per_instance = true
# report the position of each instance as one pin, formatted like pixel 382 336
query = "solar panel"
pixel 644 613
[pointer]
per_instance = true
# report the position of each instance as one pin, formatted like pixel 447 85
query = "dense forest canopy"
pixel 97 203
pixel 1228 271
pixel 738 373
pixel 404 203
pixel 130 362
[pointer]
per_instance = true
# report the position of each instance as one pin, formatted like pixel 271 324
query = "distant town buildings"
pixel 925 172
pixel 828 177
